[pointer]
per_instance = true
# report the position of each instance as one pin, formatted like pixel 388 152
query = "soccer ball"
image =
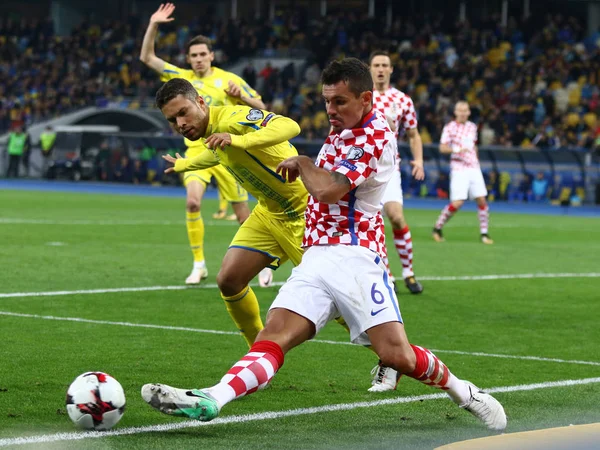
pixel 95 401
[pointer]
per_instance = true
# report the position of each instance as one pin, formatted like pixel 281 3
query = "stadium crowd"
pixel 532 84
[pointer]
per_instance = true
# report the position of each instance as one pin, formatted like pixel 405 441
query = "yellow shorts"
pixel 226 183
pixel 277 238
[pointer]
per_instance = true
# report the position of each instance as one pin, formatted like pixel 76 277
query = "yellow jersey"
pixel 211 88
pixel 259 142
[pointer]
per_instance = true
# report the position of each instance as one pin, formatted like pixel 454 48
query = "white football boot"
pixel 265 278
pixel 198 274
pixel 486 408
pixel 384 379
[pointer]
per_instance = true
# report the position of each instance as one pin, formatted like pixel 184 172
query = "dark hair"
pixel 198 40
pixel 378 53
pixel 173 88
pixel 352 71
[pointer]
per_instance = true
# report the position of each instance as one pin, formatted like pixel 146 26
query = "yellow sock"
pixel 245 312
pixel 195 229
pixel 343 323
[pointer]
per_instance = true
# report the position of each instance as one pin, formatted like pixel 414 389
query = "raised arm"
pixel 147 55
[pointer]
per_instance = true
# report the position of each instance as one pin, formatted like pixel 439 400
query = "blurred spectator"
pixel 540 187
pixel 123 170
pixel 17 143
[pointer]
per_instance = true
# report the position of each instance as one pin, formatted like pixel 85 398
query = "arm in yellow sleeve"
pixel 278 130
pixel 204 160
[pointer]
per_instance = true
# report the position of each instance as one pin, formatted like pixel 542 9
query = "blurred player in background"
pixel 217 87
pixel 459 138
pixel 249 143
pixel 399 110
pixel 341 271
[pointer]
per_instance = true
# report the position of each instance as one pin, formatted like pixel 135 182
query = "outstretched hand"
pixel 289 168
pixel 418 172
pixel 233 90
pixel 172 160
pixel 218 140
pixel 163 13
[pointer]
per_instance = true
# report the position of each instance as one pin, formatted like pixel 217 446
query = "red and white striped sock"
pixel 403 242
pixel 445 216
pixel 251 373
pixel 483 214
pixel 433 372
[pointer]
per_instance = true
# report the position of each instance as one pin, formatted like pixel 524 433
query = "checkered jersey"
pixel 398 107
pixel 458 136
pixel 367 157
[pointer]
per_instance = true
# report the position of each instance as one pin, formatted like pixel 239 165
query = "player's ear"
pixel 366 98
pixel 211 56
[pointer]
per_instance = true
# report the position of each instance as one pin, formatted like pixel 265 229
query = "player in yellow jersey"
pixel 249 143
pixel 217 87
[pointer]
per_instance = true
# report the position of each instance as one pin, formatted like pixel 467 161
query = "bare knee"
pixel 395 214
pixel 192 205
pixel 401 360
pixel 457 204
pixel 229 282
pixel 398 221
pixel 481 202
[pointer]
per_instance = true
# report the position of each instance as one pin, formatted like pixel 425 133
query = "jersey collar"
pixel 368 119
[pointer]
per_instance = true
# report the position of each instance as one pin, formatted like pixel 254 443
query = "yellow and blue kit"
pixel 212 89
pixel 259 142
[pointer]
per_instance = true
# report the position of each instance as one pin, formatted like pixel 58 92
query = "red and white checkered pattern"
pixel 398 107
pixel 461 135
pixel 367 157
pixel 251 373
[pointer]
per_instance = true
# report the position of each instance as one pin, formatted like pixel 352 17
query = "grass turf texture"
pixel 119 241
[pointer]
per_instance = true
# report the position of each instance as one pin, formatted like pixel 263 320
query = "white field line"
pixel 514 276
pixel 271 415
pixel 14 221
pixel 319 341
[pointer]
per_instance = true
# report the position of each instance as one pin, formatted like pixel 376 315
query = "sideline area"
pixel 91 187
pixel 574 437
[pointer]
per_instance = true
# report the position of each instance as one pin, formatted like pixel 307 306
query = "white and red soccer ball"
pixel 95 401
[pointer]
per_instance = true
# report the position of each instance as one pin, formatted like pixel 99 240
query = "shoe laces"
pixel 380 371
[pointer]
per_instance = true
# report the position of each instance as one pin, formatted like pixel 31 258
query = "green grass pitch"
pixel 71 242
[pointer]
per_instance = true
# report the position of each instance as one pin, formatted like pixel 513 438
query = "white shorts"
pixel 393 190
pixel 467 184
pixel 341 280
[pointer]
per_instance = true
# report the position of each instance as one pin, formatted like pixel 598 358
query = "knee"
pixel 192 205
pixel 229 284
pixel 402 361
pixel 398 221
pixel 458 204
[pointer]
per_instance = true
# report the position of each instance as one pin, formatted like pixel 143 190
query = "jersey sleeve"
pixel 247 90
pixel 409 115
pixel 256 128
pixel 359 161
pixel 170 71
pixel 446 139
pixel 204 160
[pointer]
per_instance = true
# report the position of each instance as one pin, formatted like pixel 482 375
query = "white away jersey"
pixel 367 157
pixel 398 107
pixel 458 136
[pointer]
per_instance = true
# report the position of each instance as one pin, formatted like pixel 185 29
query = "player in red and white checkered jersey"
pixel 341 272
pixel 459 138
pixel 358 155
pixel 400 112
